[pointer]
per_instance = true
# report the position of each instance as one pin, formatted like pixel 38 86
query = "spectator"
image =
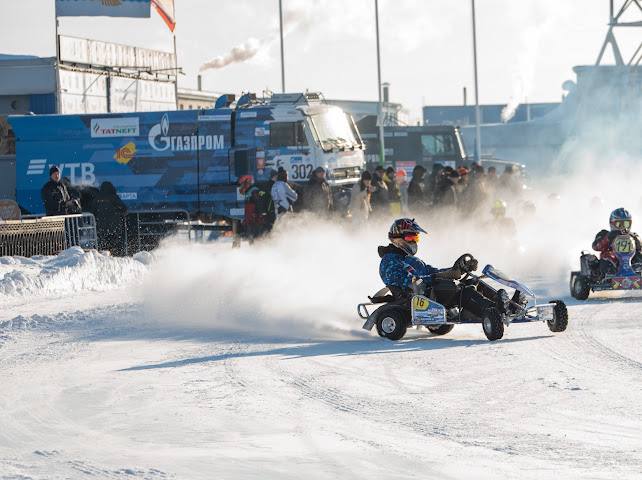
pixel 389 180
pixel 317 196
pixel 282 194
pixel 431 184
pixel 492 180
pixel 110 213
pixel 255 219
pixel 398 194
pixel 54 194
pixel 446 193
pixel 360 207
pixel 416 192
pixel 510 182
pixel 379 199
pixel 475 195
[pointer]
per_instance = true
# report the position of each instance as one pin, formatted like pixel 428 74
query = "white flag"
pixel 103 8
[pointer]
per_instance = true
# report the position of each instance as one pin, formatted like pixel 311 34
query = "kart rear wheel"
pixel 440 330
pixel 560 317
pixel 392 322
pixel 492 324
pixel 580 287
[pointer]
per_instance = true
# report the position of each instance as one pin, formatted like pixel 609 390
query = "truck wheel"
pixel 580 287
pixel 560 317
pixel 441 329
pixel 492 324
pixel 392 322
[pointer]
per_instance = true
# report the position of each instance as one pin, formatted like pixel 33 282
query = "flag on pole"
pixel 165 9
pixel 103 8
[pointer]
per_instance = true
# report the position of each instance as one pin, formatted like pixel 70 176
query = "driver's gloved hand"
pixel 466 263
pixel 472 265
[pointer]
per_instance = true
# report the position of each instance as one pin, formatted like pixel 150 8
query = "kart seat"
pixel 388 294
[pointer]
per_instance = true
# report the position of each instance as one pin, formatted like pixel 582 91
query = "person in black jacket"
pixel 317 196
pixel 110 213
pixel 54 194
pixel 416 189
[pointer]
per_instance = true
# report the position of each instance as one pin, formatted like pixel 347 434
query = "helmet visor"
pixel 622 224
pixel 411 237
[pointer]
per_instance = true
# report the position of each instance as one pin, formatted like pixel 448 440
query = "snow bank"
pixel 72 271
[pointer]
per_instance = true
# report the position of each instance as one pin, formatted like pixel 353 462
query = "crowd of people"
pixel 60 197
pixel 383 192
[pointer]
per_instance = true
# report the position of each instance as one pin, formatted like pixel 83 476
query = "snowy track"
pixel 102 393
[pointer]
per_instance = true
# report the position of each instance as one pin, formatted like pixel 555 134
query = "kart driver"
pixel 620 223
pixel 399 268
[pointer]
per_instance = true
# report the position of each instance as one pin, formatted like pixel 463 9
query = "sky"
pixel 526 48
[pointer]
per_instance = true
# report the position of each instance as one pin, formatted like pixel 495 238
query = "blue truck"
pixel 188 159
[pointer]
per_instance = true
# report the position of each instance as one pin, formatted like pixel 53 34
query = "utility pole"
pixel 382 148
pixel 477 111
pixel 282 58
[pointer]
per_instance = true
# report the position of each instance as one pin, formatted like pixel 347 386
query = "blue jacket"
pixel 398 268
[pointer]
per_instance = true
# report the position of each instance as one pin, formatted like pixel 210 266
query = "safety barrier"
pixel 47 235
pixel 146 228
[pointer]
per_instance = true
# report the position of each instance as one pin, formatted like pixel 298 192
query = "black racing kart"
pixel 451 301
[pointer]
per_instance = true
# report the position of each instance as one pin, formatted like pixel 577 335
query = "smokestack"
pixel 465 97
pixel 199 82
pixel 386 92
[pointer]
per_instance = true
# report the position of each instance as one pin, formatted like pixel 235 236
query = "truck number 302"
pixel 301 172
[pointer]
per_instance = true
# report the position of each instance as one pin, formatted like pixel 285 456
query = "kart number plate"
pixel 427 312
pixel 545 312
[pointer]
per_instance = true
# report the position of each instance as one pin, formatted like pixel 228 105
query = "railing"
pixel 47 235
pixel 146 228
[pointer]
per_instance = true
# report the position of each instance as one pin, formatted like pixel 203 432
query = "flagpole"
pixel 175 56
pixel 58 100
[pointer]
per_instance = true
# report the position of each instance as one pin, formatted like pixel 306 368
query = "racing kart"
pixel 626 276
pixel 471 299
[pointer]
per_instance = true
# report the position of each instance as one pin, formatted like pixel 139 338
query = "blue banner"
pixel 103 8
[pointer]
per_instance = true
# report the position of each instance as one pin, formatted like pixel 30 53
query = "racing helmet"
pixel 620 220
pixel 404 234
pixel 498 209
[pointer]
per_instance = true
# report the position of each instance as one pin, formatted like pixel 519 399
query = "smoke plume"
pixel 294 18
pixel 238 54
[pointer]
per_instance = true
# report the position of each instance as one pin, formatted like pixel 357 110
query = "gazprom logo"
pixel 160 140
pixel 36 166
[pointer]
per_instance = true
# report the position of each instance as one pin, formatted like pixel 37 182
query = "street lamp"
pixel 382 149
pixel 477 112
pixel 281 33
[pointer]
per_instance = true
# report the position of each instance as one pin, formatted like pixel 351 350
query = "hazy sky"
pixel 527 48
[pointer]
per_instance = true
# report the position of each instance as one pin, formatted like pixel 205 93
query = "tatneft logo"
pixel 161 141
pixel 115 127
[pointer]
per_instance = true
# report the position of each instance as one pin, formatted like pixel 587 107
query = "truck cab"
pixel 297 132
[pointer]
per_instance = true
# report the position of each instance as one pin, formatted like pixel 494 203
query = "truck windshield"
pixel 438 144
pixel 333 129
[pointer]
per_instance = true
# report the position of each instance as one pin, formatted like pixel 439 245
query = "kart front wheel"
pixel 441 329
pixel 560 317
pixel 580 287
pixel 392 322
pixel 492 324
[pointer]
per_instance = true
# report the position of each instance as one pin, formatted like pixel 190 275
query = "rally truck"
pixel 189 160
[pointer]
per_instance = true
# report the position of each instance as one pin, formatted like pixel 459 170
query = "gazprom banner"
pixel 104 8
